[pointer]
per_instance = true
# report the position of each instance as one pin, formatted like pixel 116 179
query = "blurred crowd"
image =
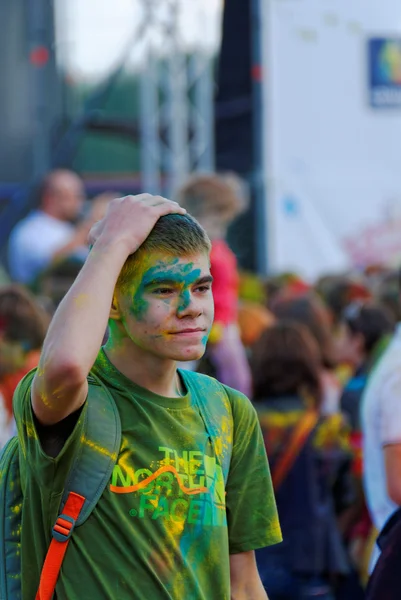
pixel 321 363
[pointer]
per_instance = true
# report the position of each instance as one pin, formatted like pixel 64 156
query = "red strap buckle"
pixel 63 528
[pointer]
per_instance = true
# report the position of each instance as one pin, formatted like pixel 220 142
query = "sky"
pixel 92 34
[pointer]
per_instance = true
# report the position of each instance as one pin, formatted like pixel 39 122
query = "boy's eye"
pixel 162 291
pixel 203 288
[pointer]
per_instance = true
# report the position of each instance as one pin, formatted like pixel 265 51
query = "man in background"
pixel 50 231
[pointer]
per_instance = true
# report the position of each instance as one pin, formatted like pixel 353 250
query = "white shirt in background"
pixel 381 425
pixel 7 425
pixel 33 243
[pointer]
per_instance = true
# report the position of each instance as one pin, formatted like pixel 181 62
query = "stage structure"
pixel 175 124
pixel 176 120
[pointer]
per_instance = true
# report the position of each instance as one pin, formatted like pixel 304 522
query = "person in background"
pixel 23 325
pixel 50 231
pixel 366 329
pixel 52 284
pixel 363 332
pixel 381 435
pixel 387 293
pixel 253 319
pixel 338 292
pixel 310 463
pixel 309 310
pixel 215 201
pixel 99 204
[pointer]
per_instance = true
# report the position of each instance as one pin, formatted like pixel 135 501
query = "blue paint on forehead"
pixel 181 273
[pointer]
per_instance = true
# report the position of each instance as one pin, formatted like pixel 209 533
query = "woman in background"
pixel 309 310
pixel 310 461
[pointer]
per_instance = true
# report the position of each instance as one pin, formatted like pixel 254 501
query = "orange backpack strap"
pixel 61 532
pixel 87 479
pixel 298 438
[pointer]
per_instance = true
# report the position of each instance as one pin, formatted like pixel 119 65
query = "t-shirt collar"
pixel 112 377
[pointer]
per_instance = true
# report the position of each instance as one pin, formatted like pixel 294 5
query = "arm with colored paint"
pixel 244 578
pixel 77 329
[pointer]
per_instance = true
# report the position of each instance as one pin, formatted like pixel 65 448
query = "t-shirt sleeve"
pixel 390 407
pixel 251 507
pixel 50 472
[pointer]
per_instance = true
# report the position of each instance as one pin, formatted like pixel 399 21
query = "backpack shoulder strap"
pixel 99 449
pixel 216 412
pixel 87 479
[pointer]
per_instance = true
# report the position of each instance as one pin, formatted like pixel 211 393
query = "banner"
pixel 332 159
pixel 384 57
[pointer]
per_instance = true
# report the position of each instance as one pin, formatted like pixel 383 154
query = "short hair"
pixel 175 235
pixel 223 195
pixel 286 361
pixel 370 320
pixel 22 319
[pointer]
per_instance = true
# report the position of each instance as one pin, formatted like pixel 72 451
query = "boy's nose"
pixel 187 305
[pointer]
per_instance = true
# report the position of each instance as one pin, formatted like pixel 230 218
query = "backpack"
pixel 85 485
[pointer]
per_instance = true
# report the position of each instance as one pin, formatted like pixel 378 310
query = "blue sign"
pixel 385 72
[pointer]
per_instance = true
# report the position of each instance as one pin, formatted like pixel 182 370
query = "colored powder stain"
pixel 275 528
pixel 204 340
pixel 16 509
pixel 30 430
pixel 139 305
pixel 81 300
pixel 218 446
pixel 46 401
pixel 116 339
pixel 40 371
pixel 182 274
pixel 97 448
pixel 123 462
pixel 185 300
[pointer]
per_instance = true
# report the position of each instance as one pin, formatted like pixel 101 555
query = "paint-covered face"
pixel 168 309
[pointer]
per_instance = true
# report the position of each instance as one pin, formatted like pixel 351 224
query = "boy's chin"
pixel 189 354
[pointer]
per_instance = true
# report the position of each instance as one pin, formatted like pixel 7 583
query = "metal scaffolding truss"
pixel 176 120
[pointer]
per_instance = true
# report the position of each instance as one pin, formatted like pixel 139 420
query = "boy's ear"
pixel 114 309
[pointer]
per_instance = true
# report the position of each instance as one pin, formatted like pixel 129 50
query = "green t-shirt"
pixel 158 531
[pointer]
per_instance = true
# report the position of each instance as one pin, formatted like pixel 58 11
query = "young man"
pixel 148 537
